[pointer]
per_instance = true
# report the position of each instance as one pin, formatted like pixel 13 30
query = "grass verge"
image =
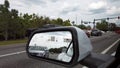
pixel 13 42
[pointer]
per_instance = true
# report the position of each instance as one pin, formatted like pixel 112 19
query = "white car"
pixel 39 51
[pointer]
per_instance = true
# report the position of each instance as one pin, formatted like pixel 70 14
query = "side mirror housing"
pixel 60 45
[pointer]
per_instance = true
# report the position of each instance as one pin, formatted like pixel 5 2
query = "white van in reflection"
pixel 39 51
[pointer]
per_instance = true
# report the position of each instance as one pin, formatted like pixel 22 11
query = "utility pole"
pixel 94 24
pixel 81 22
pixel 76 19
pixel 108 24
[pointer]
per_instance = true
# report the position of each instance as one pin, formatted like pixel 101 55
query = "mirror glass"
pixel 55 45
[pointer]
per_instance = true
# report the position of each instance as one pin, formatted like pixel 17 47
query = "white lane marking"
pixel 106 50
pixel 113 54
pixel 84 67
pixel 12 54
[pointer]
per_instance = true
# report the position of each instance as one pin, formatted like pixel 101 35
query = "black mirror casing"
pixel 75 57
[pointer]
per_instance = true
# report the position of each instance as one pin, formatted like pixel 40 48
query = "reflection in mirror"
pixel 56 45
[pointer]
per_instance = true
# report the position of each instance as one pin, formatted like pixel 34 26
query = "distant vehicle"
pixel 117 31
pixel 39 51
pixel 96 32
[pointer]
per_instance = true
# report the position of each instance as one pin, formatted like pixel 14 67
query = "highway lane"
pixel 12 48
pixel 101 43
pixel 22 61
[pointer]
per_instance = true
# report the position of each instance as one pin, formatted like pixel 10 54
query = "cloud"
pixel 69 10
pixel 54 0
pixel 98 11
pixel 98 7
pixel 69 7
pixel 27 6
pixel 113 11
pixel 113 0
pixel 17 3
pixel 1 1
pixel 35 2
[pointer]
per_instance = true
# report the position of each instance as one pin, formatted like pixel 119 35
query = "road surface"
pixel 14 56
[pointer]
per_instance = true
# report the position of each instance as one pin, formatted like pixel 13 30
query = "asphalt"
pixel 21 60
pixel 103 42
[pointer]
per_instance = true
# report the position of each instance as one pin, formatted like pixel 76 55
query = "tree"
pixel 6 4
pixel 82 26
pixel 88 27
pixel 112 26
pixel 103 25
pixel 14 26
pixel 1 22
pixel 5 18
pixel 66 23
pixel 73 22
pixel 59 21
pixel 47 20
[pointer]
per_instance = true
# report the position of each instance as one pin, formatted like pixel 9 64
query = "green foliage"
pixel 88 27
pixel 4 18
pixel 6 4
pixel 112 27
pixel 103 25
pixel 14 26
pixel 13 42
pixel 82 26
pixel 57 50
pixel 67 23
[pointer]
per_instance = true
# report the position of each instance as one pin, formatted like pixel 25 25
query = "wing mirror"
pixel 61 45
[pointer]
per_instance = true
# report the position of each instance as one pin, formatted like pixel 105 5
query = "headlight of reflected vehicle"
pixel 61 45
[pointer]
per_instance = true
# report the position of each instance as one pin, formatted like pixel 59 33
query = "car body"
pixel 117 31
pixel 39 51
pixel 96 32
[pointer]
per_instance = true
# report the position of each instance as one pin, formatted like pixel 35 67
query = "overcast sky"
pixel 68 9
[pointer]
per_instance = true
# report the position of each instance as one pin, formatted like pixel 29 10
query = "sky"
pixel 74 10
